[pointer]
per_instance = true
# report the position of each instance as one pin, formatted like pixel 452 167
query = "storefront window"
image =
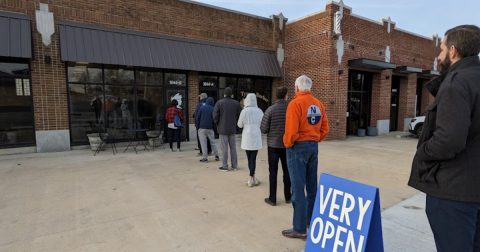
pixel 115 75
pixel 149 77
pixel 86 103
pixel 245 83
pixel 263 84
pixel 85 73
pixel 227 82
pixel 208 81
pixel 16 105
pixel 150 107
pixel 175 79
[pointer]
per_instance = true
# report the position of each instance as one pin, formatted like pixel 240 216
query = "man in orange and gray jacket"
pixel 306 124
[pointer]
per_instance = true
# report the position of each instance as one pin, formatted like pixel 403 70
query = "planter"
pixel 95 141
pixel 157 140
pixel 372 131
pixel 361 132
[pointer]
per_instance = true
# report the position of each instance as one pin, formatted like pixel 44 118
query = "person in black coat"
pixel 446 165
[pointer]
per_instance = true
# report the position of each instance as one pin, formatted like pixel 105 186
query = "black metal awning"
pixel 407 69
pixel 429 73
pixel 104 45
pixel 371 64
pixel 16 35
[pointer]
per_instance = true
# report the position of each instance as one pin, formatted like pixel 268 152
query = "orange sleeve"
pixel 292 125
pixel 324 128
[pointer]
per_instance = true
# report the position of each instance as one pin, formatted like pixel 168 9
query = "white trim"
pixel 223 9
pixel 338 3
pixel 380 22
pixel 307 16
pixel 411 33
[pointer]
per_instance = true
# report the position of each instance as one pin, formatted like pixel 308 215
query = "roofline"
pixel 223 9
pixel 307 16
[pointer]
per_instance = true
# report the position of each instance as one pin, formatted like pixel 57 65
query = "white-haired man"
pixel 306 124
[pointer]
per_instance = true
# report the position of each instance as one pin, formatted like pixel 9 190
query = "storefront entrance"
pixel 359 100
pixel 394 103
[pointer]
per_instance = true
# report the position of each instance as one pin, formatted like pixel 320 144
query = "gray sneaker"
pixel 178 150
pixel 235 168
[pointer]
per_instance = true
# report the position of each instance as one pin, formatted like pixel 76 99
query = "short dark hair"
pixel 281 92
pixel 174 102
pixel 465 38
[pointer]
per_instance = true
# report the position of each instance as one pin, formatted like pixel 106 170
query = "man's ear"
pixel 453 52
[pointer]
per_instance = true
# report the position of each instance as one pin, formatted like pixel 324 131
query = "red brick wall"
pixel 169 17
pixel 408 89
pixel 192 94
pixel 310 52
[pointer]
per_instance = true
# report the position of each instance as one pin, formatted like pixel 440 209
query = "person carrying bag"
pixel 174 118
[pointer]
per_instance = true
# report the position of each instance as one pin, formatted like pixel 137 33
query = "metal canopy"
pixel 429 73
pixel 104 45
pixel 371 64
pixel 16 35
pixel 407 69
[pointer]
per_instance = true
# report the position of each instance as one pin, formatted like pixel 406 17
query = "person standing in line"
pixel 172 130
pixel 225 116
pixel 446 166
pixel 203 99
pixel 204 120
pixel 273 124
pixel 306 124
pixel 250 120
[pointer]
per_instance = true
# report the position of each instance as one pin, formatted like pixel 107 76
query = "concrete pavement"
pixel 163 201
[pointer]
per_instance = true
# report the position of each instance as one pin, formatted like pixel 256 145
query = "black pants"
pixel 455 225
pixel 274 154
pixel 252 160
pixel 209 146
pixel 171 133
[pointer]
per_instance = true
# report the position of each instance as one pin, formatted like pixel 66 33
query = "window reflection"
pixel 118 75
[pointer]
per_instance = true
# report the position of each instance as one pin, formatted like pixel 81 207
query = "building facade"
pixel 67 65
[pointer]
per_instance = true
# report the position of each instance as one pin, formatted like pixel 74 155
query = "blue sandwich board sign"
pixel 346 217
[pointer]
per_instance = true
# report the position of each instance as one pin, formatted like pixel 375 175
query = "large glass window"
pixel 117 97
pixel 16 105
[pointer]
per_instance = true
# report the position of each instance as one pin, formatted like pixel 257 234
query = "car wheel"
pixel 419 130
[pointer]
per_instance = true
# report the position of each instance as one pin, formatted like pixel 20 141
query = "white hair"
pixel 303 83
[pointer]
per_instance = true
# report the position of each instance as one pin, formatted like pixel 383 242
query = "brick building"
pixel 67 65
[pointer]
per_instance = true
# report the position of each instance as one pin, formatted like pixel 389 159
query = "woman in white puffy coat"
pixel 250 120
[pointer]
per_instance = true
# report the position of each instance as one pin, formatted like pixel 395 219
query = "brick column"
pixel 381 95
pixel 406 109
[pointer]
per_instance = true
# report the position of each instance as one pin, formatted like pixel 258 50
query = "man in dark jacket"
pixel 225 116
pixel 203 99
pixel 273 124
pixel 446 165
pixel 204 120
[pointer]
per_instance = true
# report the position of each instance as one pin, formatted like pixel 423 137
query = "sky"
pixel 422 17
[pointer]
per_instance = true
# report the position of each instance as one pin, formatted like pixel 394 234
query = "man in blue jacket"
pixel 446 165
pixel 204 120
pixel 203 99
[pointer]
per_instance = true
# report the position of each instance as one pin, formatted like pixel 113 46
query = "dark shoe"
pixel 199 154
pixel 267 200
pixel 203 160
pixel 223 169
pixel 290 233
pixel 288 201
pixel 210 153
pixel 217 158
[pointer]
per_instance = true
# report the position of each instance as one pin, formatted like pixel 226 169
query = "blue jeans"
pixel 302 159
pixel 455 225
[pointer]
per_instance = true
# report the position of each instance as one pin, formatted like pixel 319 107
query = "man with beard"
pixel 446 165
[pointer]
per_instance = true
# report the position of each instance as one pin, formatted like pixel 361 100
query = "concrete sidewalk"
pixel 163 201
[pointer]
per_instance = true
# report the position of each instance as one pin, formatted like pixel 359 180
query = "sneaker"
pixel 204 160
pixel 171 150
pixel 235 168
pixel 268 201
pixel 210 153
pixel 288 201
pixel 256 181
pixel 223 169
pixel 178 150
pixel 199 154
pixel 217 158
pixel 290 233
pixel 197 148
pixel 249 183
